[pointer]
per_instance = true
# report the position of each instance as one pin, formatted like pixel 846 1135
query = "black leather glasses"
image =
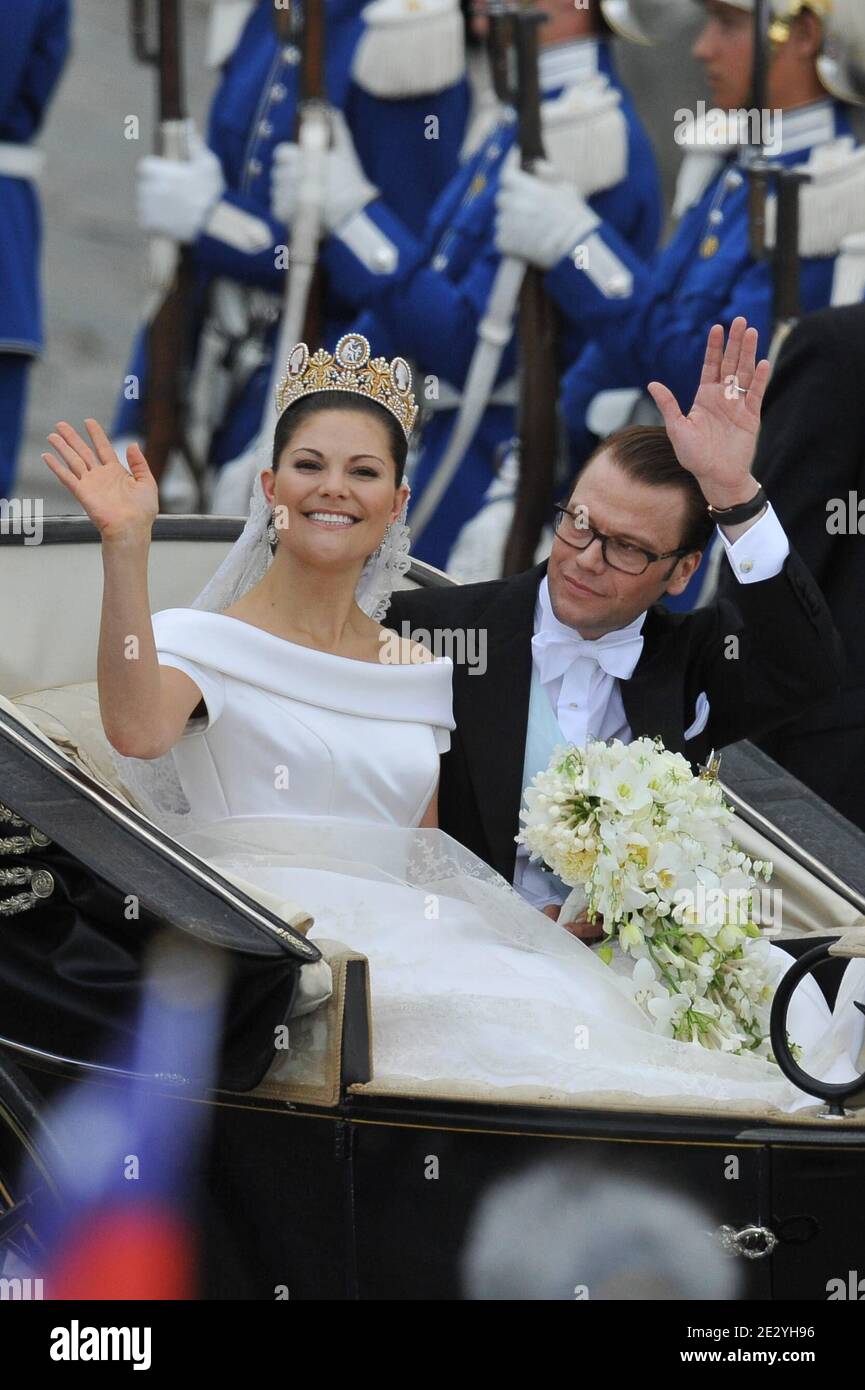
pixel 573 529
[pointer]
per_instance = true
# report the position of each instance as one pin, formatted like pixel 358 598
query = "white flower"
pixel 666 1011
pixel 625 789
pixel 630 935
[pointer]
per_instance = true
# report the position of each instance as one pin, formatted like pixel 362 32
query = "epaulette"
pixel 832 205
pixel 227 21
pixel 410 48
pixel 585 136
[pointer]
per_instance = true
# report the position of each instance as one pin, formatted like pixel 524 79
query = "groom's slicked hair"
pixel 645 454
pixel 294 415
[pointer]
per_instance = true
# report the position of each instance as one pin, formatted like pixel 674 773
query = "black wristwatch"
pixel 734 516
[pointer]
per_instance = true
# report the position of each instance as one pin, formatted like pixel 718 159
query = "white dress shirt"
pixel 581 677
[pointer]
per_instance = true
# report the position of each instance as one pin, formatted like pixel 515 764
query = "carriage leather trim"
pixel 330 1049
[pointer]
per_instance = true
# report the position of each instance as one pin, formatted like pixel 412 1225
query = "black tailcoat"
pixel 812 453
pixel 786 658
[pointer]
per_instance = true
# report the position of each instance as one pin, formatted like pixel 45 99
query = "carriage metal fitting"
pixel 41 886
pixel 754 1242
pixel 20 844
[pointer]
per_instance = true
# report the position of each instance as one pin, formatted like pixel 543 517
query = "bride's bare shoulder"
pixel 239 609
pixel 401 651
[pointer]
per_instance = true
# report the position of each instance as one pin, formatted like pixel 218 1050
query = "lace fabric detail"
pixel 427 860
pixel 156 790
pixel 446 1040
pixel 384 569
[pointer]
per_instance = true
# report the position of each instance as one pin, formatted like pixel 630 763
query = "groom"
pixel 579 647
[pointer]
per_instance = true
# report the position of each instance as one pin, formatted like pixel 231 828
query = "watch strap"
pixel 744 511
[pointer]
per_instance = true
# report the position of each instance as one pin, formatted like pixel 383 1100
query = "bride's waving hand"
pixel 144 706
pixel 119 502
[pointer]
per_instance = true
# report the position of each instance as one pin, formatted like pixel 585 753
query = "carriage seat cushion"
pixel 69 716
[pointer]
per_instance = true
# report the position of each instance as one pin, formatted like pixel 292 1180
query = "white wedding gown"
pixel 309 778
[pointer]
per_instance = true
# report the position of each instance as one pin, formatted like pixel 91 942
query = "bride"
pixel 277 729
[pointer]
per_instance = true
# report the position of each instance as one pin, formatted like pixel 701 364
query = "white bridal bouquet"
pixel 648 846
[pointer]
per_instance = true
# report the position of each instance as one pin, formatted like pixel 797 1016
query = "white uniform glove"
pixel 347 189
pixel 175 196
pixel 284 179
pixel 538 218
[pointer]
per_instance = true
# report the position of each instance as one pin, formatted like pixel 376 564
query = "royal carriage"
pixel 316 1179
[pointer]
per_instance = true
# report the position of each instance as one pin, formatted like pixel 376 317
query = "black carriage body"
pixel 375 1201
pixel 370 1195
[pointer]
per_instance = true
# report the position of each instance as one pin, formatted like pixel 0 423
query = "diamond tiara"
pixel 350 368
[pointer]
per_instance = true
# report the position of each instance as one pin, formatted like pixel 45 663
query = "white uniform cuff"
pixel 365 240
pixel 237 228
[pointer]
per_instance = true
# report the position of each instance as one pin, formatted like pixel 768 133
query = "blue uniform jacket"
pixel 704 275
pixel 34 42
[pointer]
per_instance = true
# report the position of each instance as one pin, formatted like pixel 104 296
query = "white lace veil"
pixel 153 784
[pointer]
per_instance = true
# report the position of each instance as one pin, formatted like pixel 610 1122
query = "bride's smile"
pixel 331 518
pixel 334 488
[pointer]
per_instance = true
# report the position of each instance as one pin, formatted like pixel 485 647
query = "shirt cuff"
pixel 761 552
pixel 535 885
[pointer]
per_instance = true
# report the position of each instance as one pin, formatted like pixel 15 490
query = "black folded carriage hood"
pixel 73 963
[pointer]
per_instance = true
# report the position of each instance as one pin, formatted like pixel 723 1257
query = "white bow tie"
pixel 557 647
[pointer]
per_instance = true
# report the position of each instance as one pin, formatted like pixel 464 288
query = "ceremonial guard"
pixel 429 296
pixel 220 201
pixel 648 318
pixel 35 42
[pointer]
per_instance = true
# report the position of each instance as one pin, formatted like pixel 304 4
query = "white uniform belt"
pixel 20 161
pixel 449 398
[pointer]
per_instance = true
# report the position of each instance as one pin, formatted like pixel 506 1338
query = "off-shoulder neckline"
pixel 331 656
